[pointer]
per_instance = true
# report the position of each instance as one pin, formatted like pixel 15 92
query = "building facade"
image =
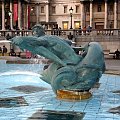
pixel 23 14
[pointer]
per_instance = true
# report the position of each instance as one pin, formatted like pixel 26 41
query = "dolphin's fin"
pixel 48 54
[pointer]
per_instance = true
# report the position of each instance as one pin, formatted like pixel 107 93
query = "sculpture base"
pixel 73 95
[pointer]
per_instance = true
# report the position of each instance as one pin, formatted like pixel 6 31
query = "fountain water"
pixel 2 61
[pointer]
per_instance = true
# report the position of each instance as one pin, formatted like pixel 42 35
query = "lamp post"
pixel 11 27
pixel 85 15
pixel 71 12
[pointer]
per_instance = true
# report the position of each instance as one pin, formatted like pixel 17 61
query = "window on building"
pixel 42 9
pixel 99 1
pixel 77 24
pixel 32 11
pixel 65 9
pixel 99 25
pixel 77 9
pixel 65 25
pixel 53 9
pixel 99 8
pixel 87 8
pixel 111 8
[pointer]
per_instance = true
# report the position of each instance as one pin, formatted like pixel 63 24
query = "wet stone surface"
pixel 56 115
pixel 13 102
pixel 115 110
pixel 28 89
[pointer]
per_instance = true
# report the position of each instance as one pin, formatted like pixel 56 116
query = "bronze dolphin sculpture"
pixel 68 71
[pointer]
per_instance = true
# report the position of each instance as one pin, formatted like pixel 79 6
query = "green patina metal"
pixel 68 70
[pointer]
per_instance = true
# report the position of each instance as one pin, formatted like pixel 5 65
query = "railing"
pixel 78 36
pixel 13 33
pixel 63 33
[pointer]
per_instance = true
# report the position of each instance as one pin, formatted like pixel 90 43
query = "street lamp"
pixel 8 36
pixel 85 11
pixel 9 13
pixel 71 12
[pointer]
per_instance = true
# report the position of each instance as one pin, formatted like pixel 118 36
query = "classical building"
pixel 23 14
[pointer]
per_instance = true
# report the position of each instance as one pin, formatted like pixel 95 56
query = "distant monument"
pixel 70 75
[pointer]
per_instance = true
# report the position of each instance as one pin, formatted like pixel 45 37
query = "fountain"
pixel 23 93
pixel 70 75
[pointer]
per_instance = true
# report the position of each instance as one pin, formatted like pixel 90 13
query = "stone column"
pixel 11 15
pixel 25 12
pixel 3 15
pixel 115 14
pixel 37 13
pixel 106 14
pixel 27 16
pixel 24 16
pixel 91 13
pixel 19 14
pixel 82 15
pixel 47 12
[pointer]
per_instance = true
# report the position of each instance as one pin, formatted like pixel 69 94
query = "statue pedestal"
pixel 73 95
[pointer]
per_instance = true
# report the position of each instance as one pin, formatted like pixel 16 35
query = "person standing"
pixel 88 29
pixel 0 51
pixel 70 36
pixel 84 30
pixel 4 50
pixel 117 54
pixel 80 30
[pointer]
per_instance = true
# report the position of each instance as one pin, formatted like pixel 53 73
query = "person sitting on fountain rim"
pixel 0 50
pixel 12 53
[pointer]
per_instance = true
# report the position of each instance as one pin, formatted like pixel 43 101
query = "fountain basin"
pixel 103 105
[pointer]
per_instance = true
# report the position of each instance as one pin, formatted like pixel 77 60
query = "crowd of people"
pixel 85 30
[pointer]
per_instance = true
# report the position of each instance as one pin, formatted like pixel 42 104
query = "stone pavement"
pixel 112 66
